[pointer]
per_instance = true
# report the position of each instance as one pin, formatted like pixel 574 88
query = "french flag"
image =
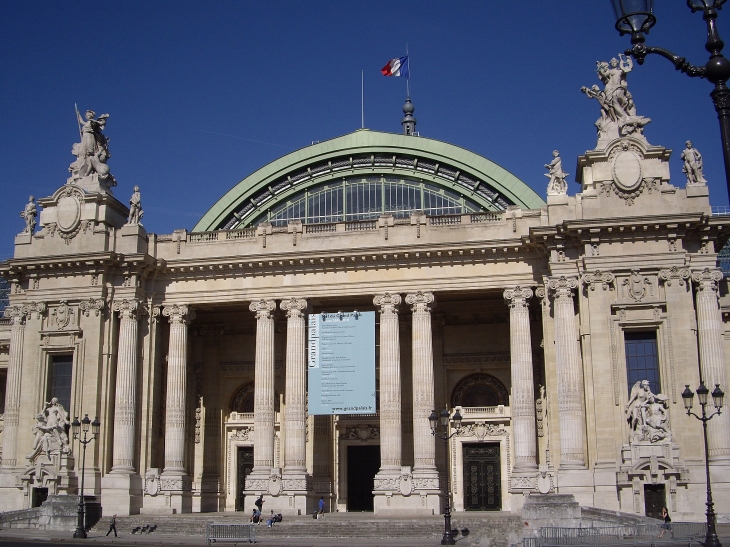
pixel 396 67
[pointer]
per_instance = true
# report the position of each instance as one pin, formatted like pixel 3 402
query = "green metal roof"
pixel 457 169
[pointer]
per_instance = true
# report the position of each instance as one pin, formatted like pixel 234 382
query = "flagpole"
pixel 362 99
pixel 408 80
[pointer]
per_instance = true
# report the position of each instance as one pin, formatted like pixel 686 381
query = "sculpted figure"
pixel 92 152
pixel 618 111
pixel 56 422
pixel 647 414
pixel 135 207
pixel 557 185
pixel 692 164
pixel 28 214
pixel 42 440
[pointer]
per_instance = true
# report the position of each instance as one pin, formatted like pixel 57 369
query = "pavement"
pixel 23 538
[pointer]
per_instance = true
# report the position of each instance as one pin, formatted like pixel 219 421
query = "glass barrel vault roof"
pixel 364 174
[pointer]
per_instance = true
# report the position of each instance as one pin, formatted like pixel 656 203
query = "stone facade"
pixel 190 347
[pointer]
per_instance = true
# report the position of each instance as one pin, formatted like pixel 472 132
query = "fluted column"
pixel 263 417
pixel 125 402
pixel 570 374
pixel 424 447
pixel 709 332
pixel 390 387
pixel 180 316
pixel 17 315
pixel 296 370
pixel 523 394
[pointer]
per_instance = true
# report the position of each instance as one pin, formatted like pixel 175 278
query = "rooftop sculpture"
pixel 92 152
pixel 618 111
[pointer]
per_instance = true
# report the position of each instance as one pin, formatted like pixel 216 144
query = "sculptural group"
pixel 50 430
pixel 647 415
pixel 92 152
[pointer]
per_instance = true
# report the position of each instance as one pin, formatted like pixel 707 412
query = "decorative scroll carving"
pixel 127 308
pixel 362 432
pixel 707 279
pixel 95 305
pixel 481 430
pixel 636 285
pixel 680 274
pixel 598 279
pixel 179 313
pixel 61 316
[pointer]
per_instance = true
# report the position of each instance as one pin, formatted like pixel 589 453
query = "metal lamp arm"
pixel 639 51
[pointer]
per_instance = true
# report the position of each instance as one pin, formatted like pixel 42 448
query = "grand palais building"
pixel 563 331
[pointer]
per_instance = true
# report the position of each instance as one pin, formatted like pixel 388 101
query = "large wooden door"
pixel 244 462
pixel 482 491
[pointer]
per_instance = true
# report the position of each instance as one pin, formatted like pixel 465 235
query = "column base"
pixel 175 495
pixel 296 494
pixel 400 492
pixel 121 493
pixel 11 493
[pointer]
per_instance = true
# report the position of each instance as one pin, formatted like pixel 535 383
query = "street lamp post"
pixel 78 427
pixel 448 538
pixel 711 539
pixel 635 17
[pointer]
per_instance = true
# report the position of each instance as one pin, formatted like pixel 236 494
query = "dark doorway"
pixel 39 496
pixel 482 491
pixel 245 464
pixel 654 499
pixel 363 462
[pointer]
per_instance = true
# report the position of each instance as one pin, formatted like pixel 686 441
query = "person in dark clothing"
pixel 259 503
pixel 667 522
pixel 113 526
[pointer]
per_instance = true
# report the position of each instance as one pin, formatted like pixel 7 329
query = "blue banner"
pixel 341 363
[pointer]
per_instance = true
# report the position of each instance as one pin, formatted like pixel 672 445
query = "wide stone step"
pixel 501 528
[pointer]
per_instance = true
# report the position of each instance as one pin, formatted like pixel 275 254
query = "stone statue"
pixel 647 415
pixel 92 152
pixel 50 430
pixel 135 207
pixel 29 213
pixel 618 111
pixel 692 164
pixel 557 185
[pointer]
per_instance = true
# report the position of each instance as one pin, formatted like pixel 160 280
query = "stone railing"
pixel 470 413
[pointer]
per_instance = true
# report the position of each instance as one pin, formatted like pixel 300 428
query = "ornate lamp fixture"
pixel 448 537
pixel 718 399
pixel 78 427
pixel 636 17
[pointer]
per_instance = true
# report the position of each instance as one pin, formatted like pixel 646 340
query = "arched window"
pixel 479 389
pixel 242 399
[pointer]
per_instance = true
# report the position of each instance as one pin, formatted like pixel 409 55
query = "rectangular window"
pixel 60 379
pixel 642 359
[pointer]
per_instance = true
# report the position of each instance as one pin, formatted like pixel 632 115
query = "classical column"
pixel 570 374
pixel 17 315
pixel 125 401
pixel 263 397
pixel 424 447
pixel 390 388
pixel 523 395
pixel 710 332
pixel 212 403
pixel 296 371
pixel 180 316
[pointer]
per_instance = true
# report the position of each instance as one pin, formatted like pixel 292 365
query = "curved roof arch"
pixel 366 152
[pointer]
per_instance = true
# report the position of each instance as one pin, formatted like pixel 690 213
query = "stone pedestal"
pixel 560 510
pixel 23 238
pixel 122 493
pixel 133 239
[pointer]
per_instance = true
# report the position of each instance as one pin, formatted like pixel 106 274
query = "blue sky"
pixel 201 94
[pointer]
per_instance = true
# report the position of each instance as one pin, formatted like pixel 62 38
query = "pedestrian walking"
pixel 667 523
pixel 113 526
pixel 320 514
pixel 259 503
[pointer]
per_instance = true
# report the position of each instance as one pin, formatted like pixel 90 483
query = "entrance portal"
pixel 363 462
pixel 654 499
pixel 39 496
pixel 244 464
pixel 482 490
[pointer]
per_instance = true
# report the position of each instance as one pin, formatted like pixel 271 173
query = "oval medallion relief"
pixel 627 170
pixel 69 213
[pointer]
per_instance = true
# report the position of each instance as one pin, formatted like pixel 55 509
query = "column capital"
pixel 669 275
pixel 128 309
pixel 598 279
pixel 294 307
pixel 262 308
pixel 96 305
pixel 562 286
pixel 388 302
pixel 707 279
pixel 16 314
pixel 179 313
pixel 421 301
pixel 518 296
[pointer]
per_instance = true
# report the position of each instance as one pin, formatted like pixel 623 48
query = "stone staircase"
pixel 475 528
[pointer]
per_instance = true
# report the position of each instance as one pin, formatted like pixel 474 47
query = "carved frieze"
pixel 362 432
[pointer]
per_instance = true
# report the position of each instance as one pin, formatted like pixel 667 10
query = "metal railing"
pixel 685 533
pixel 230 533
